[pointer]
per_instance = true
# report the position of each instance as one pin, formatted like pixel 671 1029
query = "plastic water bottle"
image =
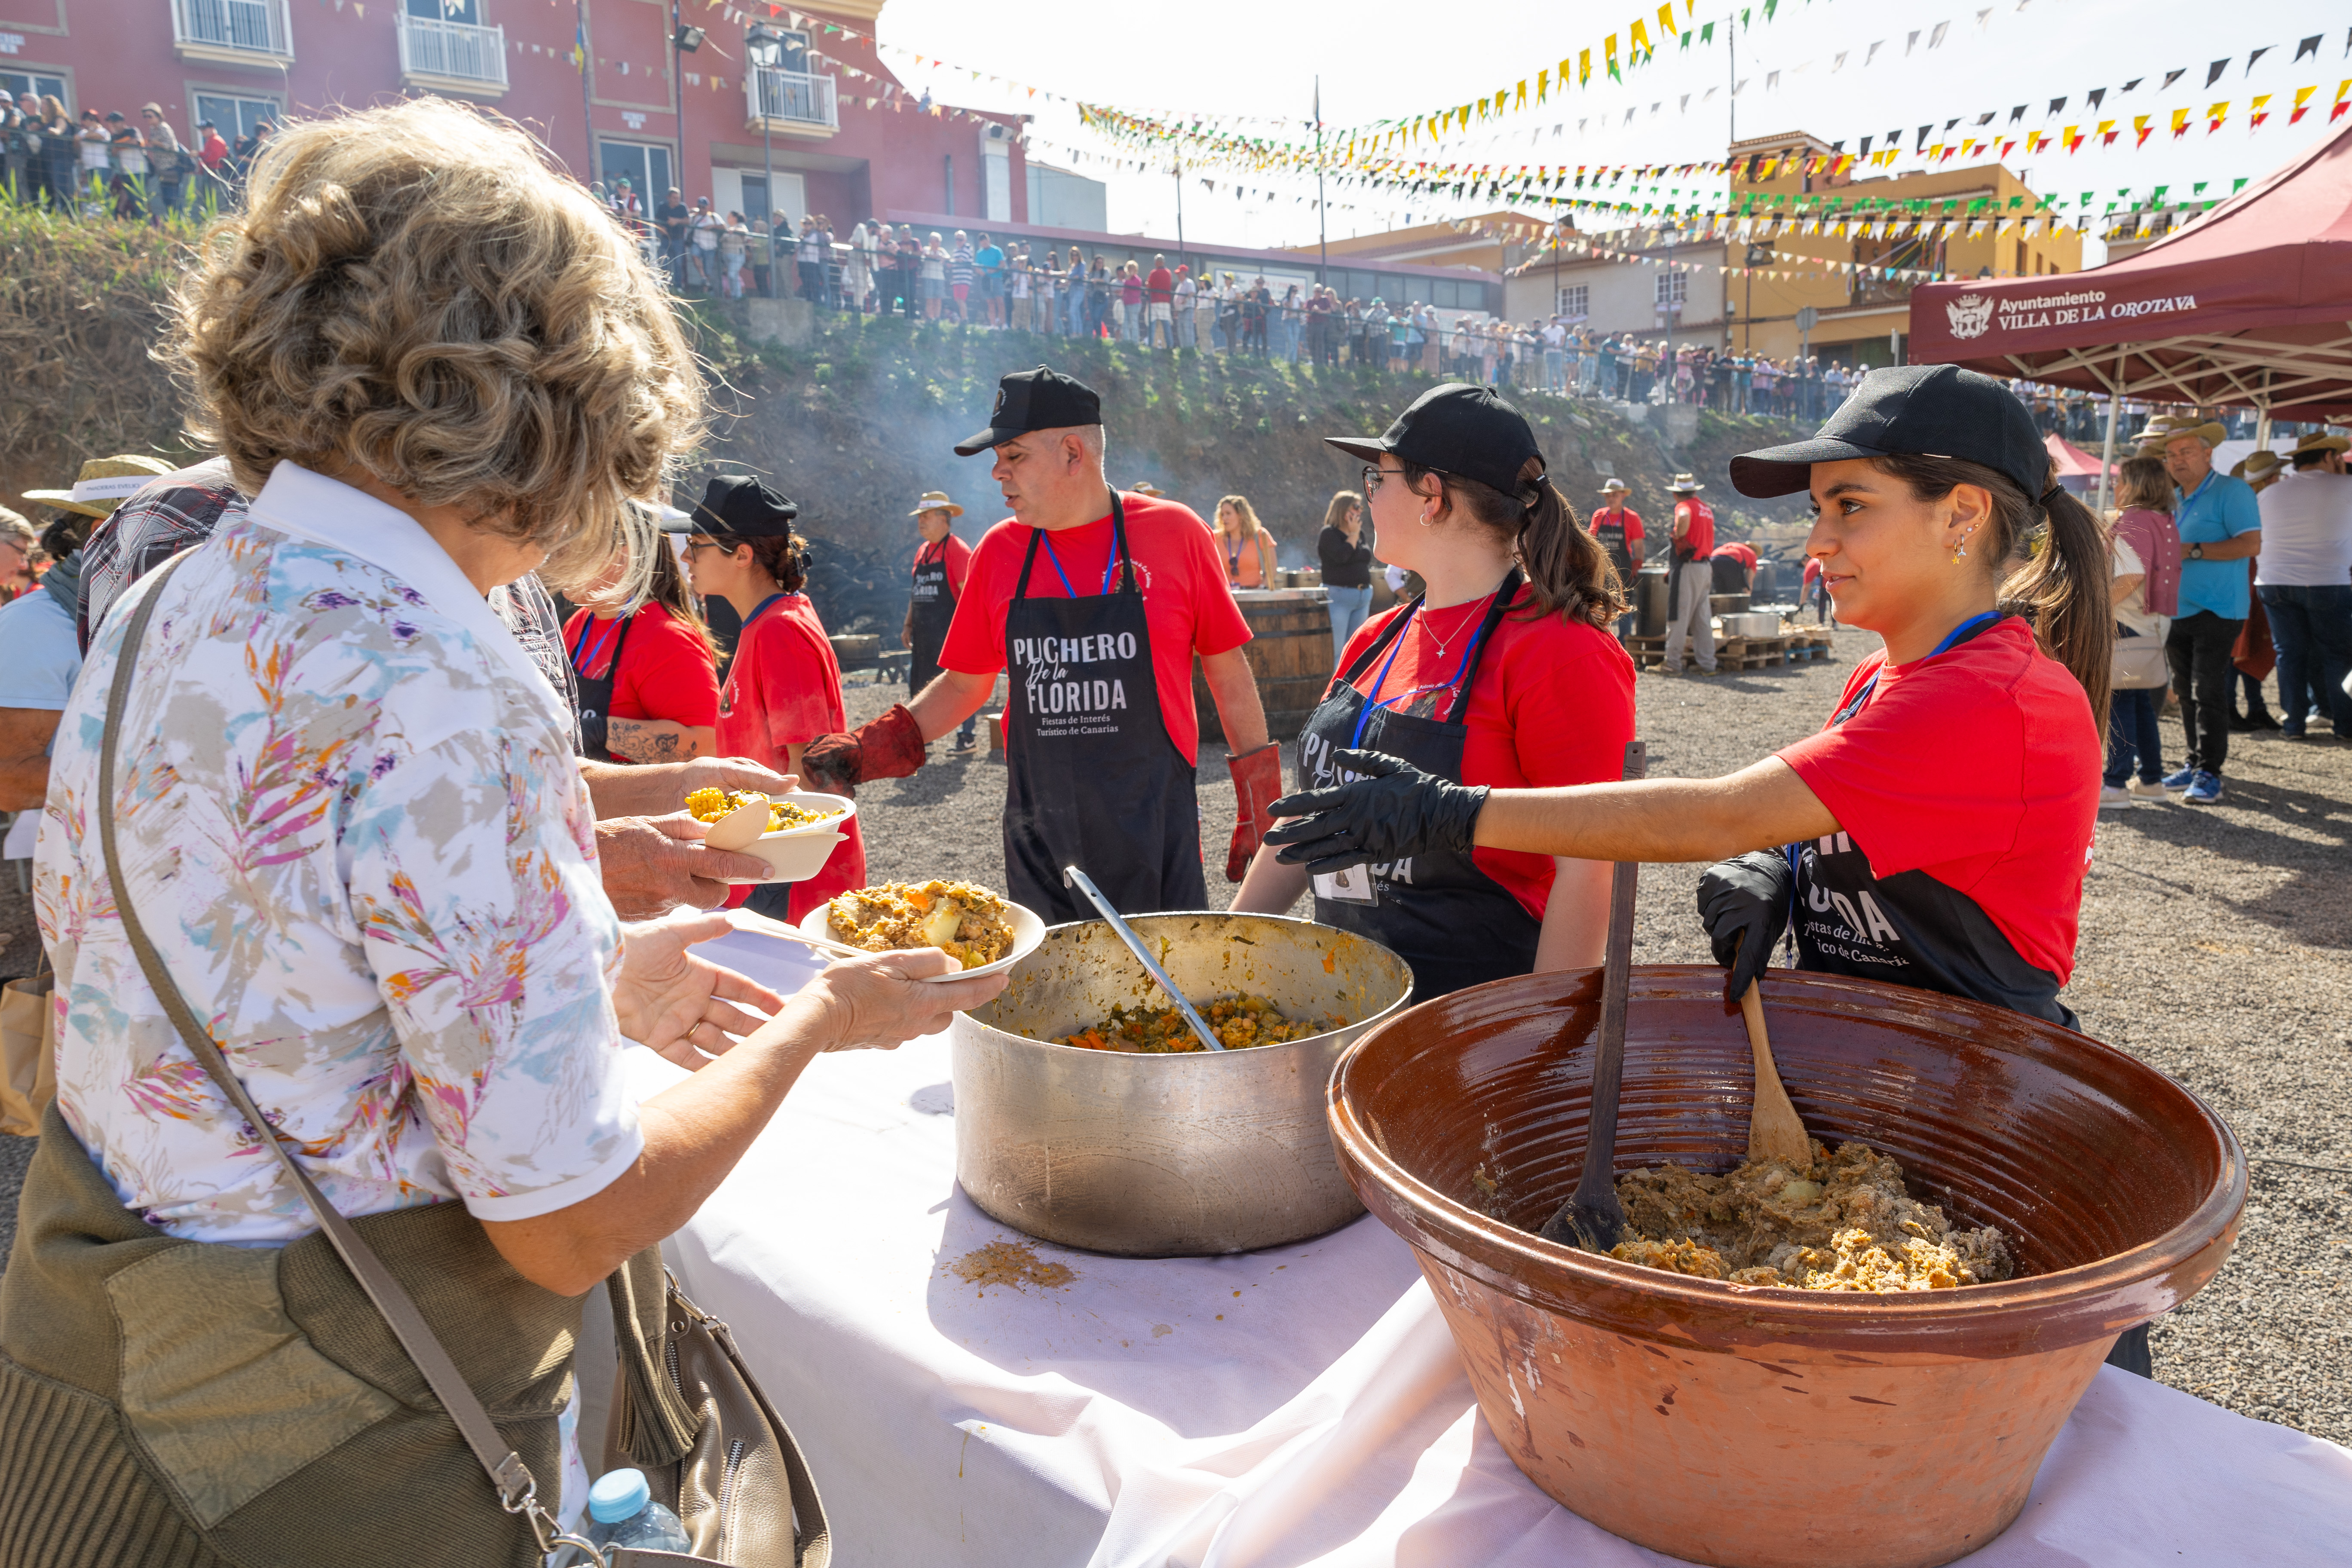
pixel 623 1512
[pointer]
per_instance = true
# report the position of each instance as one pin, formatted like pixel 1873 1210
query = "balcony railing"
pixel 453 52
pixel 232 27
pixel 794 97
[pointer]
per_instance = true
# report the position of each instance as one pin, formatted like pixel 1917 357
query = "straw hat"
pixel 2326 441
pixel 104 484
pixel 2159 431
pixel 1145 487
pixel 1615 488
pixel 2258 464
pixel 936 501
pixel 1684 485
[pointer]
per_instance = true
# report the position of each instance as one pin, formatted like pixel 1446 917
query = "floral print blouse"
pixel 351 821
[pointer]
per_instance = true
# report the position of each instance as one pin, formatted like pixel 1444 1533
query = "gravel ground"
pixel 2217 945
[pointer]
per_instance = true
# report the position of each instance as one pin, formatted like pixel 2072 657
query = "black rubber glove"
pixel 1743 902
pixel 1391 813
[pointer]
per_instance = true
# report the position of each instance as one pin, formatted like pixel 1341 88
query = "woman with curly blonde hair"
pixel 315 841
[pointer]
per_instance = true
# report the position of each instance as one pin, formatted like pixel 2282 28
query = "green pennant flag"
pixel 1706 34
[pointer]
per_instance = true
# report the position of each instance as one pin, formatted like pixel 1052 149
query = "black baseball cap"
pixel 1911 411
pixel 1040 399
pixel 1458 429
pixel 739 506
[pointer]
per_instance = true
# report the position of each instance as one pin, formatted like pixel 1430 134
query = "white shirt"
pixel 350 815
pixel 2306 532
pixel 2133 611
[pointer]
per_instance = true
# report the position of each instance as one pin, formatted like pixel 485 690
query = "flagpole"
pixel 1322 208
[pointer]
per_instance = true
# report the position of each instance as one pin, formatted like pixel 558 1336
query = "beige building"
pixel 1969 221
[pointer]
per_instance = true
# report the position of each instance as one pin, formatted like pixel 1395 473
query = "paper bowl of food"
pixel 974 926
pixel 793 833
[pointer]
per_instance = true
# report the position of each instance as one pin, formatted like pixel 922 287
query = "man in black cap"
pixel 1097 601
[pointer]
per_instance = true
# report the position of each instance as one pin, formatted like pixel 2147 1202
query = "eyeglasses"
pixel 1374 477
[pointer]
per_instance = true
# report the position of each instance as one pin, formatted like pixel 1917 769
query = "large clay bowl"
pixel 1762 1427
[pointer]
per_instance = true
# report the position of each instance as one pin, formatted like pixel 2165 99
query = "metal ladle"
pixel 1072 876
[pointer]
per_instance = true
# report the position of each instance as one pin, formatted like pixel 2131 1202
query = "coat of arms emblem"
pixel 1971 314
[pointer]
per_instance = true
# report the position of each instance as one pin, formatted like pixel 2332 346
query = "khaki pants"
pixel 1695 582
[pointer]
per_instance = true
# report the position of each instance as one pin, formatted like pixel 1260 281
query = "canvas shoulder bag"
pixel 28 1050
pixel 755 1502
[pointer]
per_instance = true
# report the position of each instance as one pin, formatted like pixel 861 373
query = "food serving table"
pixel 1298 1405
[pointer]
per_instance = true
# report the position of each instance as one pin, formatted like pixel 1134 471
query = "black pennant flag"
pixel 2017 114
pixel 2309 46
pixel 2258 54
pixel 2171 77
pixel 2213 72
pixel 2096 95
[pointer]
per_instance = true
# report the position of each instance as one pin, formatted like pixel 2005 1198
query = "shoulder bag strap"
pixel 518 1491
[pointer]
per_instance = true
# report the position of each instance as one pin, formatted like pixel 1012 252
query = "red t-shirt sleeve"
pixel 975 644
pixel 1633 526
pixel 666 673
pixel 959 564
pixel 792 676
pixel 1569 701
pixel 1887 774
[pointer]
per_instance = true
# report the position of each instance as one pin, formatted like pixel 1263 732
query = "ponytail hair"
pixel 2060 586
pixel 1567 570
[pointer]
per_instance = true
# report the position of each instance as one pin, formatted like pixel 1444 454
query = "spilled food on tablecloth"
pixel 966 922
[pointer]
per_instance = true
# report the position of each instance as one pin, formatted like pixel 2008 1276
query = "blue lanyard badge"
pixel 1364 713
pixel 1109 566
pixel 1958 634
pixel 582 655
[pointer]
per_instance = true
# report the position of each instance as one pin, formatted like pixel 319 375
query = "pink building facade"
pixel 833 123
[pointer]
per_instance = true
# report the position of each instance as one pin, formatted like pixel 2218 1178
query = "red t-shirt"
pixel 1979 767
pixel 666 670
pixel 1624 515
pixel 785 690
pixel 1161 284
pixel 1700 539
pixel 1186 604
pixel 1552 705
pixel 1743 553
pixel 958 559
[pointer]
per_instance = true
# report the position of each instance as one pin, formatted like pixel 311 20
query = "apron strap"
pixel 1460 717
pixel 1120 561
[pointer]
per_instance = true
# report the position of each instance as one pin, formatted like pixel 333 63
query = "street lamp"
pixel 766 47
pixel 1757 256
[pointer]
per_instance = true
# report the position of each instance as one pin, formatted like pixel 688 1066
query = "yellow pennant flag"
pixel 2180 121
pixel 1543 85
pixel 1638 39
pixel 1521 100
pixel 1583 66
pixel 1666 28
pixel 1609 50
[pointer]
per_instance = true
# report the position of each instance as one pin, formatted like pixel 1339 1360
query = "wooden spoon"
pixel 1774 1131
pixel 1592 1218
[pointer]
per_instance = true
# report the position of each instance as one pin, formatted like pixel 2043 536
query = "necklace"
pixel 1429 636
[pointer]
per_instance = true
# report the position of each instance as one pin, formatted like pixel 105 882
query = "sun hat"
pixel 1913 410
pixel 2256 464
pixel 1145 487
pixel 2212 432
pixel 936 501
pixel 2324 441
pixel 1684 485
pixel 1615 488
pixel 104 484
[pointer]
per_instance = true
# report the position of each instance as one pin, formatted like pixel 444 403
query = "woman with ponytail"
pixel 1935 832
pixel 1504 674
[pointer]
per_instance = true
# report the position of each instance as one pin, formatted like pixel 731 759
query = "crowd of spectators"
pixel 116 165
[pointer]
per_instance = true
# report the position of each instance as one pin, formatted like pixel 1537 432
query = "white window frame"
pixel 1572 301
pixel 1673 288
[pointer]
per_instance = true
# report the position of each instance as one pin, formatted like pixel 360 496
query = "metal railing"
pixel 249 26
pixel 452 50
pixel 795 96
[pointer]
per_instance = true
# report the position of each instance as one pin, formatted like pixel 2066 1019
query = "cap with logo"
pixel 1458 429
pixel 738 506
pixel 1910 411
pixel 1040 399
pixel 105 483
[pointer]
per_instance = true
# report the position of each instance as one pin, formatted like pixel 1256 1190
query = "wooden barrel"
pixel 1289 651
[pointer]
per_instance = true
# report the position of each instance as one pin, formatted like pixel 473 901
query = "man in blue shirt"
pixel 2220 526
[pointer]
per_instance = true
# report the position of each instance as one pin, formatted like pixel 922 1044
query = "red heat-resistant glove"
pixel 1257 780
pixel 890 747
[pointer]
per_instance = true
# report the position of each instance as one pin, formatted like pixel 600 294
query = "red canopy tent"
pixel 2069 462
pixel 2250 304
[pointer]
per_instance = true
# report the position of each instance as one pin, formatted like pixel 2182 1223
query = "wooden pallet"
pixel 1735 653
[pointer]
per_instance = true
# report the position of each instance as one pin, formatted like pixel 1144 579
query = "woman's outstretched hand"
pixel 1389 812
pixel 685 1006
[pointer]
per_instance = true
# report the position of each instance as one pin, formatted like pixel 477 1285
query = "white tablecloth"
pixel 1297 1406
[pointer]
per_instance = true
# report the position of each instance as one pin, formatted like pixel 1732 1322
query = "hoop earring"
pixel 1960 552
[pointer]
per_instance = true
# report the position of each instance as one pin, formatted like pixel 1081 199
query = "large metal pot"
pixel 1165 1156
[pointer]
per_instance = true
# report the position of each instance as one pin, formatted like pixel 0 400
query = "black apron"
pixel 1609 531
pixel 597 695
pixel 1454 924
pixel 1909 929
pixel 1094 779
pixel 933 606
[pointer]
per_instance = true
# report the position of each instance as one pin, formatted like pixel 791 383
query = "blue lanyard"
pixel 763 610
pixel 1965 629
pixel 580 642
pixel 1109 566
pixel 1364 713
